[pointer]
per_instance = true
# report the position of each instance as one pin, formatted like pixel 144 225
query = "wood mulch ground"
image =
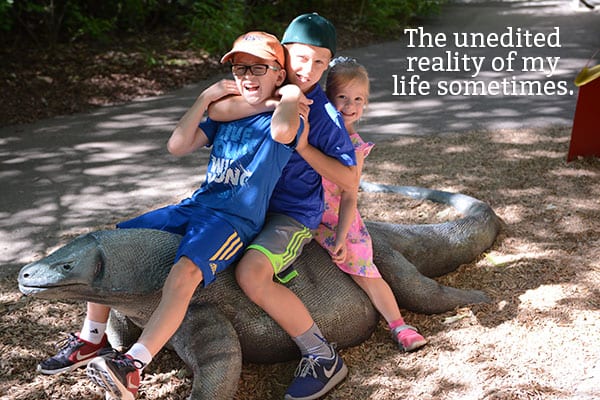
pixel 537 339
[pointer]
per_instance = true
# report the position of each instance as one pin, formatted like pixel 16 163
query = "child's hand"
pixel 224 87
pixel 304 106
pixel 289 91
pixel 339 252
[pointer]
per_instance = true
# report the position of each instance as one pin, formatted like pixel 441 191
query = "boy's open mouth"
pixel 251 88
pixel 303 79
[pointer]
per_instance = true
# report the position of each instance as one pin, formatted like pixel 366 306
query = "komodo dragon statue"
pixel 125 269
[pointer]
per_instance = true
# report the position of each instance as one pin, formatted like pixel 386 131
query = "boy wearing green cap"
pixel 296 206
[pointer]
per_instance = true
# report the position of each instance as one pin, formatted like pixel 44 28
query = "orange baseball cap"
pixel 259 44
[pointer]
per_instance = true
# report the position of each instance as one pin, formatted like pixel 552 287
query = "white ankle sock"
pixel 92 331
pixel 139 352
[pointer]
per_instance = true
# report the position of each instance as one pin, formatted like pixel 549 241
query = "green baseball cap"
pixel 311 29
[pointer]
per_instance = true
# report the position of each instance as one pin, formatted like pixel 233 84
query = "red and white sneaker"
pixel 73 353
pixel 408 338
pixel 117 373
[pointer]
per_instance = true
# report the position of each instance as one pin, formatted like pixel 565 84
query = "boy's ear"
pixel 281 77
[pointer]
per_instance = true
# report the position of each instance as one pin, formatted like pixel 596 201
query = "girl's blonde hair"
pixel 342 71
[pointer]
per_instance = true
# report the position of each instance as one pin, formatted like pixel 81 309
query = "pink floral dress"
pixel 359 260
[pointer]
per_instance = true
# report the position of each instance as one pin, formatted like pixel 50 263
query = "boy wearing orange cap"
pixel 216 222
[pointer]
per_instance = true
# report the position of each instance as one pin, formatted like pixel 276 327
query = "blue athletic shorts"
pixel 208 240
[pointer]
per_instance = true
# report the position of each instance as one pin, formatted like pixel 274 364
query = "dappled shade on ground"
pixel 536 339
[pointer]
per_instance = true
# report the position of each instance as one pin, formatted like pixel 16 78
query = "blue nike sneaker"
pixel 316 376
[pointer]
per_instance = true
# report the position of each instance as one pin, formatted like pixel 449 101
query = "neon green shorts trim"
pixel 281 240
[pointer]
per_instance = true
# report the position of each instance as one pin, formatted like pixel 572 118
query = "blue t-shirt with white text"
pixel 244 166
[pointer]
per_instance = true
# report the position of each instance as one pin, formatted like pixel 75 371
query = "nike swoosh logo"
pixel 329 372
pixel 79 356
pixel 130 384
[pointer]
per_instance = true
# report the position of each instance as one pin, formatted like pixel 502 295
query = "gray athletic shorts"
pixel 281 240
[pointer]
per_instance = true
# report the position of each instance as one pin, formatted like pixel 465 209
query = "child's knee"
pixel 185 273
pixel 252 272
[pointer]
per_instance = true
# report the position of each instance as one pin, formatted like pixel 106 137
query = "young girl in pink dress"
pixel 342 232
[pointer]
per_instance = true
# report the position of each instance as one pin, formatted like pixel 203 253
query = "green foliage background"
pixel 210 25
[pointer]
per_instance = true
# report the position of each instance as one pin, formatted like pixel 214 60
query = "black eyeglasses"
pixel 256 69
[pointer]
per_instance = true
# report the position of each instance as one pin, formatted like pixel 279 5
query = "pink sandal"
pixel 408 338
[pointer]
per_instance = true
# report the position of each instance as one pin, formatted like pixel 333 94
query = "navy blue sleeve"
pixel 209 127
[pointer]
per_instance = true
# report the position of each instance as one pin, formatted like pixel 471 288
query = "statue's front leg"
pixel 208 344
pixel 121 331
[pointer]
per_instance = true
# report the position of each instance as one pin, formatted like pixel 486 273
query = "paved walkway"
pixel 76 173
pixel 399 115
